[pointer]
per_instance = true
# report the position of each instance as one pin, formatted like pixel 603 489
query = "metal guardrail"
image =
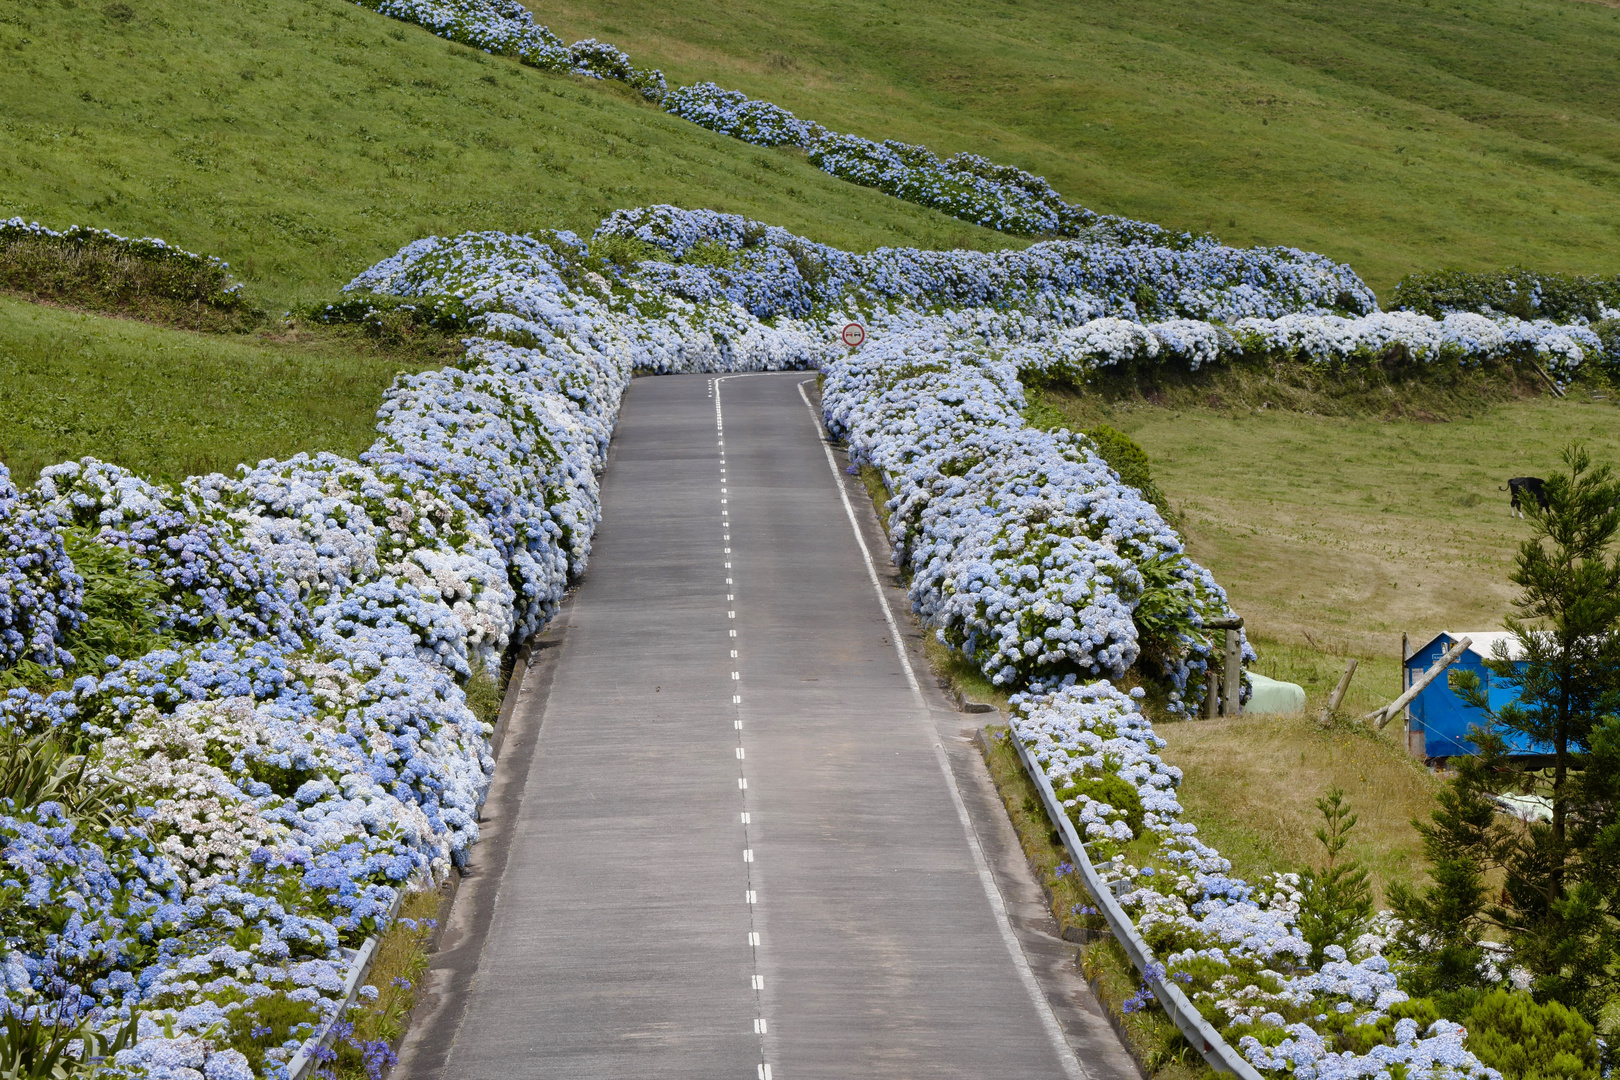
pixel 1221 1055
pixel 303 1063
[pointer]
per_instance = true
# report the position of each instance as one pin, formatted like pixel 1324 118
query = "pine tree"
pixel 1557 903
pixel 1337 900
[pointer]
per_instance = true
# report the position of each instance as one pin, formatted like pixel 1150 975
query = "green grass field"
pixel 302 140
pixel 1394 134
pixel 172 403
pixel 1344 532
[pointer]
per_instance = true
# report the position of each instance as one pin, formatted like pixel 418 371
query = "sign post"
pixel 854 335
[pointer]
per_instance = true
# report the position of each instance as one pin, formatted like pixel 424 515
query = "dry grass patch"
pixel 402 960
pixel 1251 785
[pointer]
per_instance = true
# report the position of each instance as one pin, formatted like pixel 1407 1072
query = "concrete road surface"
pixel 735 831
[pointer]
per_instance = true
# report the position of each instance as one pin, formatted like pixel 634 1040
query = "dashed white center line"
pixel 750 896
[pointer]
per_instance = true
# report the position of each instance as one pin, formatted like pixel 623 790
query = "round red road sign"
pixel 854 335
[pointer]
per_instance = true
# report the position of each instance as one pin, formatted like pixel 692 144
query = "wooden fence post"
pixel 1232 691
pixel 1338 691
pixel 1383 716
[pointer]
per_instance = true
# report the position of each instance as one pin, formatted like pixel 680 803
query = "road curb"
pixel 531 669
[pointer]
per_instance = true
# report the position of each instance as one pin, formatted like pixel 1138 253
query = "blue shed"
pixel 1439 720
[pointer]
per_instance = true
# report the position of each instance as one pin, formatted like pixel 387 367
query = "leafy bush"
pixel 42 1046
pixel 1094 786
pixel 1515 291
pixel 121 612
pixel 1129 460
pixel 1509 1031
pixel 35 769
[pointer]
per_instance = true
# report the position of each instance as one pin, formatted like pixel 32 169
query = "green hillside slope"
pixel 1392 134
pixel 302 140
pixel 173 403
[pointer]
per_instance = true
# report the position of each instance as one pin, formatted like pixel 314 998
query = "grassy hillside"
pixel 1342 532
pixel 302 140
pixel 1394 134
pixel 171 403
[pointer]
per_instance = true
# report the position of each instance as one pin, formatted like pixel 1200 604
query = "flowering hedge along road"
pixel 299 749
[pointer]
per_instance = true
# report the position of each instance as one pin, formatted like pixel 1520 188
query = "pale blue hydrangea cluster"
pixel 965 186
pixel 214 585
pixel 1078 352
pixel 1440 1052
pixel 506 28
pixel 1025 550
pixel 40 593
pixel 1463 338
pixel 774 272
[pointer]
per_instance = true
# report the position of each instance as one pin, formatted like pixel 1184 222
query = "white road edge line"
pixel 1043 1008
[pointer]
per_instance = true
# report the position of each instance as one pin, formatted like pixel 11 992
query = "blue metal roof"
pixel 1442 716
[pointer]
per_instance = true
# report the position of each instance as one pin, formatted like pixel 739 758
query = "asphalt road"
pixel 732 833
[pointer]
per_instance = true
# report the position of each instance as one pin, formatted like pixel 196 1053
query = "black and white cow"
pixel 1523 489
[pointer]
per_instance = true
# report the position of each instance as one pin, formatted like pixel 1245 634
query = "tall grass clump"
pixel 102 271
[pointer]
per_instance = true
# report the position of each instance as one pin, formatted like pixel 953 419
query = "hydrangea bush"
pixel 1518 291
pixel 506 28
pixel 40 594
pixel 1231 945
